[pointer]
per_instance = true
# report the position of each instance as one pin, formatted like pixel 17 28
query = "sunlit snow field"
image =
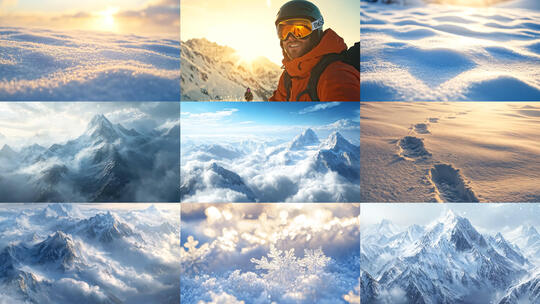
pixel 437 52
pixel 453 152
pixel 40 64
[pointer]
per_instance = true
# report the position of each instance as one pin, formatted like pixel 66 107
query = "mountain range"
pixel 448 261
pixel 305 155
pixel 107 162
pixel 213 72
pixel 87 258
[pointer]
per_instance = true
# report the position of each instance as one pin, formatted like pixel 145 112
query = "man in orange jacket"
pixel 304 43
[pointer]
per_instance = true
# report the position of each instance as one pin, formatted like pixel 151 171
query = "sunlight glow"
pixel 469 2
pixel 248 54
pixel 105 20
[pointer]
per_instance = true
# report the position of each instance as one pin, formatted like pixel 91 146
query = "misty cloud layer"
pixel 57 253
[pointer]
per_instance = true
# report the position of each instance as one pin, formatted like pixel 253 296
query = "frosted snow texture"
pixel 42 65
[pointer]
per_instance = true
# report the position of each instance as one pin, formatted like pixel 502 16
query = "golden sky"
pixel 150 17
pixel 248 25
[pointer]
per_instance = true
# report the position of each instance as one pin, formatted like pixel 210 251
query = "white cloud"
pixel 269 171
pixel 341 125
pixel 46 123
pixel 222 298
pixel 205 116
pixel 131 267
pixel 319 107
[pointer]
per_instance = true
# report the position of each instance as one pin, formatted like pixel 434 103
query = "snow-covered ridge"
pixel 58 260
pixel 105 163
pixel 446 261
pixel 213 72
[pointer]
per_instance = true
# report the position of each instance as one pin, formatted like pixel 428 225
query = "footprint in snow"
pixel 412 148
pixel 450 185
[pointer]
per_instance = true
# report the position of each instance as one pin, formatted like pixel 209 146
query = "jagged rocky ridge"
pixel 88 257
pixel 448 261
pixel 106 163
pixel 213 72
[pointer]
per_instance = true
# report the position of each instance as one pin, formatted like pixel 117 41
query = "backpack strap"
pixel 287 81
pixel 315 74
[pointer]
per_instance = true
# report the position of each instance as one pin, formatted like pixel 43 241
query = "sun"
pixel 248 55
pixel 105 20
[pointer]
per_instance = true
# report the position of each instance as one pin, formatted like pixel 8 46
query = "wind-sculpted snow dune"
pixel 452 53
pixel 52 65
pixel 450 152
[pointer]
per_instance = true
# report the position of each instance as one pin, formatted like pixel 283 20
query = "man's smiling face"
pixel 295 47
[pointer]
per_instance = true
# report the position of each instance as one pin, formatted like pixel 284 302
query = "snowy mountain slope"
pixel 213 72
pixel 106 163
pixel 307 138
pixel 524 292
pixel 528 239
pixel 269 172
pixel 59 266
pixel 39 64
pixel 340 156
pixel 448 261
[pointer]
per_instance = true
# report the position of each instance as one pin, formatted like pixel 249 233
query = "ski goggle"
pixel 298 27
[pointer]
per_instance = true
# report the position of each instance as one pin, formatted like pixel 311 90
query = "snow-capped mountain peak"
pixel 462 234
pixel 386 227
pixel 446 264
pixel 57 248
pixel 529 230
pixel 104 227
pixel 307 138
pixel 101 128
pixel 339 155
pixel 336 142
pixel 57 210
pixel 7 152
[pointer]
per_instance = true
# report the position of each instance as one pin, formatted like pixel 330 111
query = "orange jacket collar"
pixel 301 66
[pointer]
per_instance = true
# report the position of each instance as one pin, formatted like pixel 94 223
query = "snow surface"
pixel 451 152
pixel 39 64
pixel 95 254
pixel 270 253
pixel 436 52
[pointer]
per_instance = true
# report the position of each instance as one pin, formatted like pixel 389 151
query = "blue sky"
pixel 263 120
pixel 282 114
